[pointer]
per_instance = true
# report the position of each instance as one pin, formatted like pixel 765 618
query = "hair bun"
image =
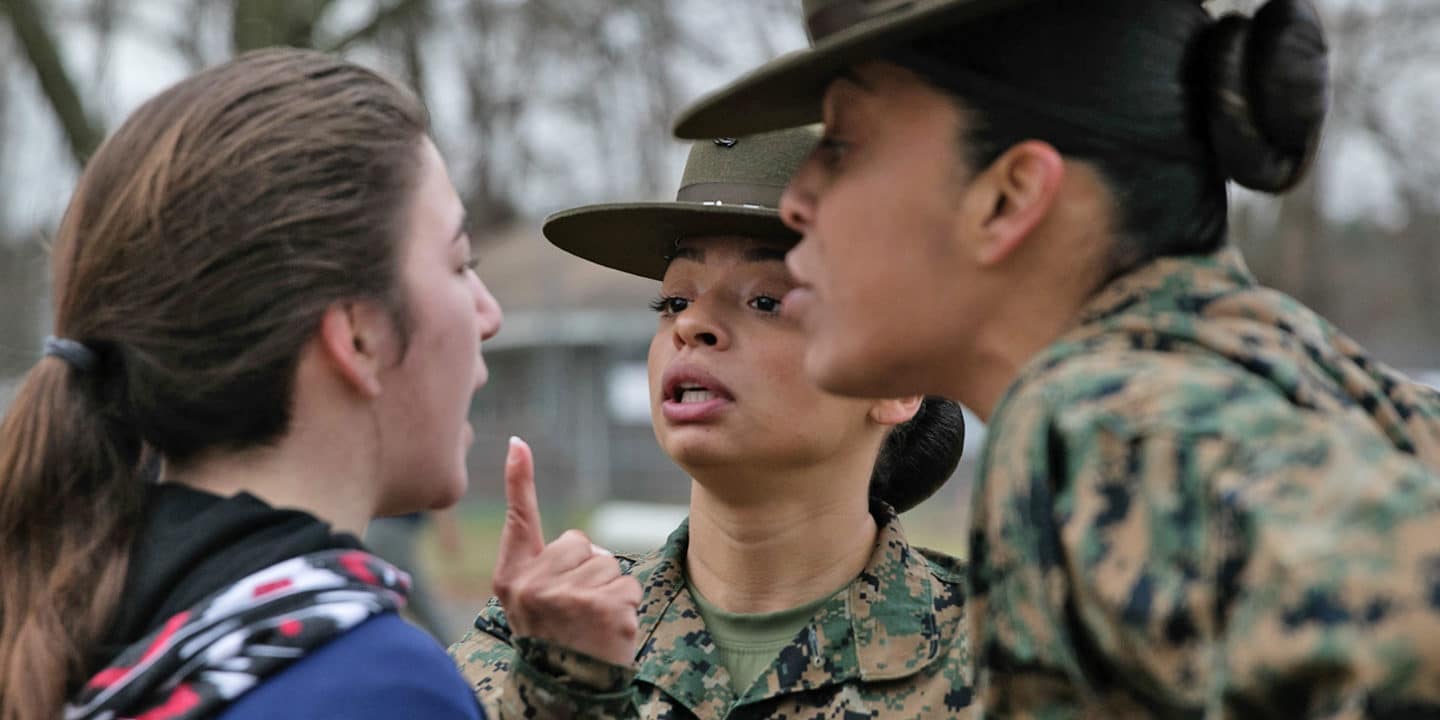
pixel 919 455
pixel 1267 89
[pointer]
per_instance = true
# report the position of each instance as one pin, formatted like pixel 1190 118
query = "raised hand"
pixel 569 592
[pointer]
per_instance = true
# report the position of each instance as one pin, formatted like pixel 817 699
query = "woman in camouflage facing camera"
pixel 791 590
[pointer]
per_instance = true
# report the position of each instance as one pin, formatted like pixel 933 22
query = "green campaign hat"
pixel 787 91
pixel 731 186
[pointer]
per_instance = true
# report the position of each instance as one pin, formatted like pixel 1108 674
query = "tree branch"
pixel 383 19
pixel 40 48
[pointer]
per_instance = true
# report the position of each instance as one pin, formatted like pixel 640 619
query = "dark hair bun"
pixel 1267 89
pixel 919 455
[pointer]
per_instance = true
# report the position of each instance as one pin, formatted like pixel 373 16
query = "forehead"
pixel 699 249
pixel 874 82
pixel 695 253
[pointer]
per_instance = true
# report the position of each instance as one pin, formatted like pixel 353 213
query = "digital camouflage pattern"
pixel 890 645
pixel 1204 501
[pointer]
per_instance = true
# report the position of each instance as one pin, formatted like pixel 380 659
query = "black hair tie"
pixel 73 352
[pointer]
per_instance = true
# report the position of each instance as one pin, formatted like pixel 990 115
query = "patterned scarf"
pixel 203 658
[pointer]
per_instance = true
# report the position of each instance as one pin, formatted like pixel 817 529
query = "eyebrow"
pixel 765 253
pixel 849 75
pixel 760 253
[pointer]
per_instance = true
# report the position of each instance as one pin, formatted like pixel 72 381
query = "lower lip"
pixel 796 303
pixel 678 412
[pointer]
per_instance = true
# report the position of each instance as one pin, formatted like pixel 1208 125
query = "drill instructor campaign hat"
pixel 731 186
pixel 787 91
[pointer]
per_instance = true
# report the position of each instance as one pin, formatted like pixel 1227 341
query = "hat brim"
pixel 639 238
pixel 787 91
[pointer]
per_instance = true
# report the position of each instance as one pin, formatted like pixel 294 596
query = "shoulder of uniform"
pixel 491 620
pixel 639 563
pixel 642 565
pixel 628 561
pixel 944 567
pixel 948 589
pixel 1133 391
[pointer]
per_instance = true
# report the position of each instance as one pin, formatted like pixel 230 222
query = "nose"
pixel 797 203
pixel 698 326
pixel 488 308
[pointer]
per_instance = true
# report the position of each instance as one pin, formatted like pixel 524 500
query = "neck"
pixel 806 539
pixel 995 360
pixel 1044 292
pixel 325 480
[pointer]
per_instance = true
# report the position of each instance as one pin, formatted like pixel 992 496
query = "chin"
pixel 699 452
pixel 450 495
pixel 427 492
pixel 453 490
pixel 856 373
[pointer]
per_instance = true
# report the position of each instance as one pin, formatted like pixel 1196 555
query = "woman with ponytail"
pixel 1197 497
pixel 790 591
pixel 266 333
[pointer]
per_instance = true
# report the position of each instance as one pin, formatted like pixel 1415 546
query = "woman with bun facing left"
pixel 1198 498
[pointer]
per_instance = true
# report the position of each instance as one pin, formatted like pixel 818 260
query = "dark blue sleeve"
pixel 384 668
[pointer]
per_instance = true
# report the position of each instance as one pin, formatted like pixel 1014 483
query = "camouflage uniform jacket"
pixel 890 645
pixel 1204 501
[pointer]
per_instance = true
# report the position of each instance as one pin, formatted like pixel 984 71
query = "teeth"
pixel 696 396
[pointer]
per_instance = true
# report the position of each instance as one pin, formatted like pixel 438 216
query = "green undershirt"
pixel 750 643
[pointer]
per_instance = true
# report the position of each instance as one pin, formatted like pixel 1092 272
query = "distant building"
pixel 568 374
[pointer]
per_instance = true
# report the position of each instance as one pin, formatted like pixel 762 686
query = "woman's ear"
pixel 1015 194
pixel 894 411
pixel 352 340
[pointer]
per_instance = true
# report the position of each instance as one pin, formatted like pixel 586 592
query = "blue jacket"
pixel 384 668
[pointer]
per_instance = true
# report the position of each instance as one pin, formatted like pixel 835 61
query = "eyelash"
pixel 832 150
pixel 663 304
pixel 473 264
pixel 775 311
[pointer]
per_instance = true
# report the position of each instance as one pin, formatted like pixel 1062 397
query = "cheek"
pixel 798 411
pixel 779 363
pixel 443 350
pixel 438 333
pixel 895 299
pixel 661 350
pixel 866 226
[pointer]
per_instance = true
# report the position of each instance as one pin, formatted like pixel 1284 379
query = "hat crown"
pixel 748 171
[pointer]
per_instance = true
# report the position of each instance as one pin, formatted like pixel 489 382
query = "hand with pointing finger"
pixel 569 592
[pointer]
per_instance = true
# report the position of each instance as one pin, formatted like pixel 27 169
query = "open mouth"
pixel 689 393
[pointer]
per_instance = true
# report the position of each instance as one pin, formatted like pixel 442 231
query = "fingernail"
pixel 597 550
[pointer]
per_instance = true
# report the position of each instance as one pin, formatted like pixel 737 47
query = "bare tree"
pixel 265 23
pixel 38 43
pixel 606 75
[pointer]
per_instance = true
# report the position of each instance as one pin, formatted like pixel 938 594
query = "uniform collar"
pixel 1171 283
pixel 882 626
pixel 1160 297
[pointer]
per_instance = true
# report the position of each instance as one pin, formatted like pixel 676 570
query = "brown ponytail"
pixel 67 503
pixel 202 245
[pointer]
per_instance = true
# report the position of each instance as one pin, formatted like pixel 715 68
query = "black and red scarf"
pixel 203 658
